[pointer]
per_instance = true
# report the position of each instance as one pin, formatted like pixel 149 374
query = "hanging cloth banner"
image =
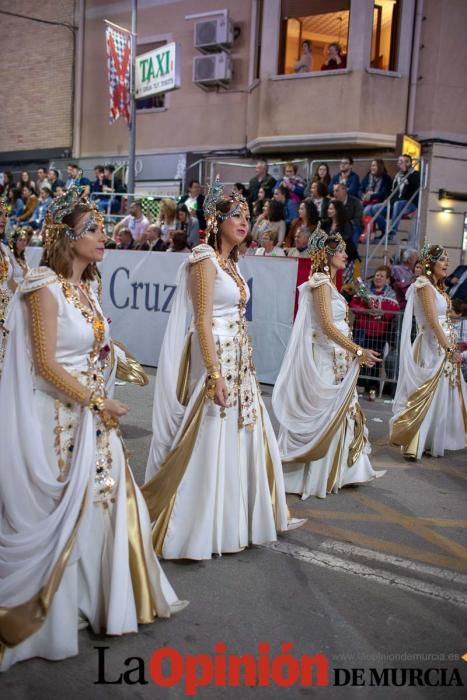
pixel 118 67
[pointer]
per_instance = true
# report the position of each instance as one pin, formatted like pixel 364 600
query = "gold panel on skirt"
pixel 161 490
pixel 332 478
pixel 22 621
pixel 184 372
pixel 358 441
pixel 406 426
pixel 322 447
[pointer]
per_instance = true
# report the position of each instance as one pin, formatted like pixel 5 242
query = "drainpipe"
pixel 414 67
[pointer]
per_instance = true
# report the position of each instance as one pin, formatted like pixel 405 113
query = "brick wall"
pixel 36 76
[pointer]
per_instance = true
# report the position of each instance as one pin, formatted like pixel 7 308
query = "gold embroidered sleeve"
pixel 428 302
pixel 322 301
pixel 203 275
pixel 43 341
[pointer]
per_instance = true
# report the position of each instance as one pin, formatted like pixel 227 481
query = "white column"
pixel 270 38
pixel 360 29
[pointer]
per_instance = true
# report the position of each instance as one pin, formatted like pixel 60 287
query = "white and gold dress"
pixel 214 475
pixel 6 272
pixel 75 534
pixel 323 438
pixel 430 405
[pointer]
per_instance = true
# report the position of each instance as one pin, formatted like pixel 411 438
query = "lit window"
pixel 315 41
pixel 385 37
pixel 154 101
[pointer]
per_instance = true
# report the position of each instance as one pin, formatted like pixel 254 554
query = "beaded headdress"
pixel 319 247
pixel 4 208
pixel 62 206
pixel 20 233
pixel 431 253
pixel 211 213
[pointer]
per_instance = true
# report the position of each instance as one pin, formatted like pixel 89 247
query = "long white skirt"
pixel 98 586
pixel 331 472
pixel 223 502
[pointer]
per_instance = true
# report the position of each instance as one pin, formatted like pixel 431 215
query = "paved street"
pixel 375 579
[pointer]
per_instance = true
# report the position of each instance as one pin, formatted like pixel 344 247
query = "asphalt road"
pixel 376 579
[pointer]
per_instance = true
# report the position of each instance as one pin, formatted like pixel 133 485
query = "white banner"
pixel 138 289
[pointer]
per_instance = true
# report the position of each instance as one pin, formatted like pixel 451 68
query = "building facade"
pixel 401 70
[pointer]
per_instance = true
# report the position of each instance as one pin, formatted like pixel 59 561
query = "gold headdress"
pixel 20 233
pixel 212 215
pixel 61 207
pixel 4 207
pixel 431 253
pixel 319 248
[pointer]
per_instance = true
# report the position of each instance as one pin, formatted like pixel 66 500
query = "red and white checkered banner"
pixel 118 67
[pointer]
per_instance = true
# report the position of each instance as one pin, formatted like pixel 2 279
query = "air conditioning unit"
pixel 215 69
pixel 213 34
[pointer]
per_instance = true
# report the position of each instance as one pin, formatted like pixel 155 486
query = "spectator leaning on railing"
pixel 374 310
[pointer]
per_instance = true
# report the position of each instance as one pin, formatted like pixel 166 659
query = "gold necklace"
pixel 90 314
pixel 4 266
pixel 230 269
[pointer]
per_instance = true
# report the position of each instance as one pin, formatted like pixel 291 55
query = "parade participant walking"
pixel 323 438
pixel 75 544
pixel 214 477
pixel 430 405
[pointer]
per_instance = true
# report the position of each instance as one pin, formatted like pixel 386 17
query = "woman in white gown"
pixel 214 476
pixel 6 276
pixel 323 439
pixel 430 405
pixel 75 535
pixel 17 246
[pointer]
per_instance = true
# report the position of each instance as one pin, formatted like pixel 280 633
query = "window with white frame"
pixel 314 35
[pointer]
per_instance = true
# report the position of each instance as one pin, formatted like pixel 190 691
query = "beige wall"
pixel 448 171
pixel 441 103
pixel 194 119
pixel 37 76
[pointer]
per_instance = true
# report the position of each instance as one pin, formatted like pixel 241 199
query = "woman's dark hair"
pixel 258 207
pixel 341 217
pixel 327 178
pixel 307 42
pixel 436 251
pixel 179 241
pixel 223 206
pixel 311 212
pixel 381 167
pixel 275 210
pixel 321 188
pixel 15 194
pixel 240 187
